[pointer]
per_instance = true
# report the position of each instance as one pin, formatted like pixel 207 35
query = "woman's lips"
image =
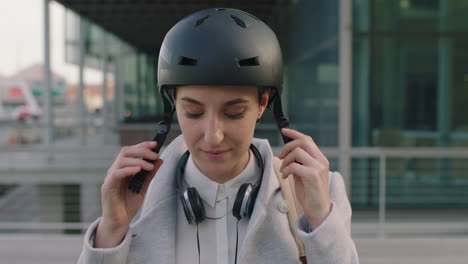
pixel 216 154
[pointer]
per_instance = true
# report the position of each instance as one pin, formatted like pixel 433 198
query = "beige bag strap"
pixel 295 208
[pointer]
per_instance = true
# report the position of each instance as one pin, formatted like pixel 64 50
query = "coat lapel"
pixel 161 197
pixel 164 183
pixel 160 225
pixel 258 221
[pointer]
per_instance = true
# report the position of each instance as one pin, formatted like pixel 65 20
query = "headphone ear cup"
pixel 251 202
pixel 197 205
pixel 239 208
pixel 187 208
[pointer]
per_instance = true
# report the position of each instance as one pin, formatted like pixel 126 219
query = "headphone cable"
pixel 237 240
pixel 198 244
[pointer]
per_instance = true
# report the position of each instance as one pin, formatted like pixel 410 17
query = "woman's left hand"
pixel 303 160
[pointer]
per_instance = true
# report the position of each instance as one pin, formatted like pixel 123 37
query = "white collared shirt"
pixel 217 236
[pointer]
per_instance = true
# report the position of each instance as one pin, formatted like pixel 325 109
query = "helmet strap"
pixel 281 120
pixel 165 124
pixel 169 106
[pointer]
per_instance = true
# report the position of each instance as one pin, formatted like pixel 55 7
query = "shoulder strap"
pixel 295 208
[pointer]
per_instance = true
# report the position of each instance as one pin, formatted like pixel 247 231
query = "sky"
pixel 22 41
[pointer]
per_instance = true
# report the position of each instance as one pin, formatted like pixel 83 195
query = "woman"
pixel 213 196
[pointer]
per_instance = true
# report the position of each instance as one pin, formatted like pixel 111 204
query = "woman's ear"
pixel 264 102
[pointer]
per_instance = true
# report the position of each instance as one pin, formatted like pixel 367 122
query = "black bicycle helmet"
pixel 222 46
pixel 218 46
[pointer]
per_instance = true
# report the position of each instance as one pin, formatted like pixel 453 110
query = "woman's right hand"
pixel 119 203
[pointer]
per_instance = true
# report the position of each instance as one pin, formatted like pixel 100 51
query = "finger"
pixel 309 147
pixel 297 137
pixel 313 173
pixel 123 173
pixel 292 133
pixel 151 174
pixel 147 144
pixel 133 162
pixel 297 155
pixel 298 143
pixel 140 151
pixel 292 168
pixel 304 141
pixel 314 167
pixel 296 169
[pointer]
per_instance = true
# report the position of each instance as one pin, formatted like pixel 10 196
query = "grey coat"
pixel 151 237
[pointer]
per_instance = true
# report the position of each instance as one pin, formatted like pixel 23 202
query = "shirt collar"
pixel 211 191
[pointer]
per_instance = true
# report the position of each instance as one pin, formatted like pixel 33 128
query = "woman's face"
pixel 218 124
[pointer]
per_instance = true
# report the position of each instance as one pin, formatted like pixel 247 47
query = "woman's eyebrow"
pixel 235 101
pixel 190 100
pixel 228 103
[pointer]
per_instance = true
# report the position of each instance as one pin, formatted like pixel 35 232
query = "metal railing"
pixel 384 154
pixel 41 165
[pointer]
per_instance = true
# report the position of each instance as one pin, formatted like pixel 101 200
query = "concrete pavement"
pixel 419 250
pixel 55 249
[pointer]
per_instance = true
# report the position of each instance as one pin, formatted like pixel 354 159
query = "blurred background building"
pixel 380 85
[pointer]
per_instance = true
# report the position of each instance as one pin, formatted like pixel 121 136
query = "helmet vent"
pixel 220 9
pixel 249 62
pixel 239 21
pixel 201 20
pixel 187 61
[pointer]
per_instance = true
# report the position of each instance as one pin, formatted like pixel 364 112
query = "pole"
pixel 81 105
pixel 104 55
pixel 48 114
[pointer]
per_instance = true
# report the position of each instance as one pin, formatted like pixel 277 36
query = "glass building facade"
pixel 409 87
pixel 410 72
pixel 134 71
pixel 410 80
pixel 311 58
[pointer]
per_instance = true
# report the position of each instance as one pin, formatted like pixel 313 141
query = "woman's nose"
pixel 214 134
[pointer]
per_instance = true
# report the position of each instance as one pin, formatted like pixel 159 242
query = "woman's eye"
pixel 235 116
pixel 192 115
